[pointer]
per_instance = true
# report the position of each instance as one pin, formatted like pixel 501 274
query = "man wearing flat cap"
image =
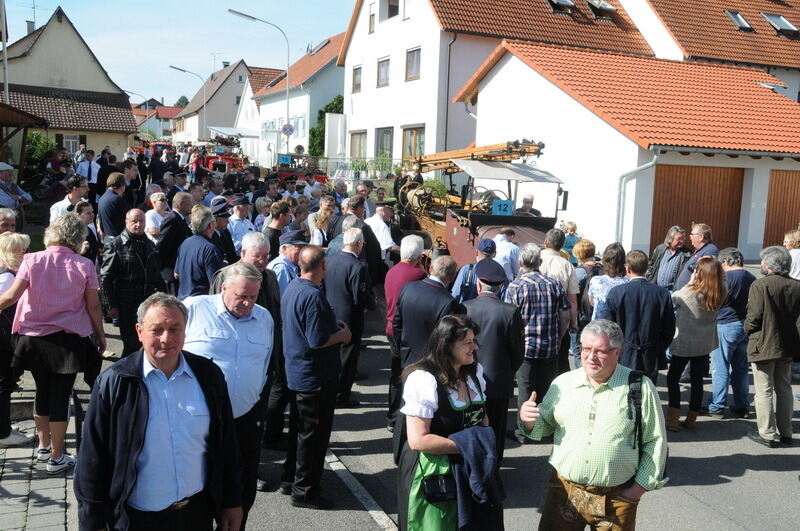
pixel 465 287
pixel 500 343
pixel 221 235
pixel 239 223
pixel 285 264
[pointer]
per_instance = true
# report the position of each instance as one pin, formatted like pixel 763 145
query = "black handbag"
pixel 439 488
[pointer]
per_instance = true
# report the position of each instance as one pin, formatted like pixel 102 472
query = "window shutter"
pixel 59 140
pixel 82 140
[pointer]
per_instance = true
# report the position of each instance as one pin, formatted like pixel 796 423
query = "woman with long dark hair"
pixel 443 393
pixel 696 307
pixel 613 275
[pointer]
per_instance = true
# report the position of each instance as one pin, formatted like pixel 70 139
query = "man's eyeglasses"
pixel 600 353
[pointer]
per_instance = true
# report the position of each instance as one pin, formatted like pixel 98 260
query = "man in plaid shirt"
pixel 544 307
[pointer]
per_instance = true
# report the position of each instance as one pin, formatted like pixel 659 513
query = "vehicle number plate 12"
pixel 504 207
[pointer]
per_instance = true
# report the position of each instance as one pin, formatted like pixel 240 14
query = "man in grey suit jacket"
pixel 500 345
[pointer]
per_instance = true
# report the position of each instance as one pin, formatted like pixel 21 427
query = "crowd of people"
pixel 238 299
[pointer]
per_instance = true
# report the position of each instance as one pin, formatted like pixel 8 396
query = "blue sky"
pixel 137 40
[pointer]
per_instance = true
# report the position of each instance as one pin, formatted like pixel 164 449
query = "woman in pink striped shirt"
pixel 57 313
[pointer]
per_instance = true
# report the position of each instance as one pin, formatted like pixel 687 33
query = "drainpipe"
pixel 447 94
pixel 623 180
pixel 466 110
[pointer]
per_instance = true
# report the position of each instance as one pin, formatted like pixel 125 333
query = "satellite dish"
pixel 299 149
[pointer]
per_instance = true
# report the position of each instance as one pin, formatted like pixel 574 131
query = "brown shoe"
pixel 690 420
pixel 673 416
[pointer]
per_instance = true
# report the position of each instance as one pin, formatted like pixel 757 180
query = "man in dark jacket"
pixel 668 259
pixel 500 345
pixel 772 314
pixel 349 295
pixel 174 229
pixel 702 245
pixel 198 257
pixel 644 312
pixel 420 307
pixel 180 465
pixel 111 208
pixel 372 248
pixel 129 274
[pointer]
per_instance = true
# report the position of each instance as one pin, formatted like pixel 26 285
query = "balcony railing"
pixel 360 169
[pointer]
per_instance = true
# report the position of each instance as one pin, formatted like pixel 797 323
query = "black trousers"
pixel 278 400
pixel 563 356
pixel 128 305
pixel 52 394
pixel 310 425
pixel 249 430
pixel 535 374
pixel 196 515
pixel 698 366
pixel 349 356
pixel 8 380
pixel 395 381
pixel 497 409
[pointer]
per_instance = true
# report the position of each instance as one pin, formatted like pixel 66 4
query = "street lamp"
pixel 288 50
pixel 204 94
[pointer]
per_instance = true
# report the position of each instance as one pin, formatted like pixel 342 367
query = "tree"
pixel 38 148
pixel 183 101
pixel 316 135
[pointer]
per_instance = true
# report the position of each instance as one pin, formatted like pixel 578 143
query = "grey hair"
pixel 351 221
pixel 731 256
pixel 163 300
pixel 604 327
pixel 262 202
pixel 241 269
pixel 352 237
pixel 530 256
pixel 7 213
pixel 201 218
pixel 68 231
pixel 151 189
pixel 671 232
pixel 554 239
pixel 345 203
pixel 411 247
pixel 337 182
pixel 777 259
pixel 255 240
pixel 443 268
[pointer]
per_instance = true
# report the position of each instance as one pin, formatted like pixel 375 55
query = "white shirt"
pixel 382 232
pixel 422 400
pixel 507 256
pixel 238 227
pixel 59 209
pixel 153 219
pixel 794 271
pixel 83 171
pixel 287 193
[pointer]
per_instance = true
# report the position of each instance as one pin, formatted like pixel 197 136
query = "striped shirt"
pixel 539 299
pixel 593 438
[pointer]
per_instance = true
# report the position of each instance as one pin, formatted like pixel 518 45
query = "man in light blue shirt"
pixel 239 223
pixel 235 333
pixel 507 252
pixel 285 264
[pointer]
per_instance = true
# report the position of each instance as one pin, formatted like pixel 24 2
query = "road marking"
pixel 369 503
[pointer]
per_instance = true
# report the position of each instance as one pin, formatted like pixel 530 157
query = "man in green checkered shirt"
pixel 600 472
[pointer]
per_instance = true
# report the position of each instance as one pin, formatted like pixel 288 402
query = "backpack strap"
pixel 635 406
pixel 466 287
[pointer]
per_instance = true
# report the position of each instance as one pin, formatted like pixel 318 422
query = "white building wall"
pixel 582 150
pixel 248 117
pixel 273 114
pixel 322 88
pixel 221 108
pixel 652 29
pixel 402 103
pixel 60 59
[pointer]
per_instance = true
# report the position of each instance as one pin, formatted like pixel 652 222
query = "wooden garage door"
pixel 695 194
pixel 783 205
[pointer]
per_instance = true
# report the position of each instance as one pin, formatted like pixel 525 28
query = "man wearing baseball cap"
pixel 500 343
pixel 465 287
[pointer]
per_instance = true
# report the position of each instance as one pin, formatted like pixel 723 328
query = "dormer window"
pixel 563 7
pixel 781 25
pixel 738 20
pixel 602 9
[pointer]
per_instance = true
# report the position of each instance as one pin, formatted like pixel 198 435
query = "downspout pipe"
pixel 447 89
pixel 623 181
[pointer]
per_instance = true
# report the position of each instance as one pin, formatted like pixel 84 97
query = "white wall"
pixel 221 108
pixel 248 117
pixel 652 29
pixel 273 109
pixel 402 103
pixel 582 150
pixel 60 59
pixel 322 88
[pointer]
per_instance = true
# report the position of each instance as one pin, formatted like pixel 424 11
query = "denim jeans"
pixel 729 365
pixel 575 348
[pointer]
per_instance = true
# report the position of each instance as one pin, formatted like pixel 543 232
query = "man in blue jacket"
pixel 159 444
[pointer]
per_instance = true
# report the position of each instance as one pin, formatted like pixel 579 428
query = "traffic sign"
pixel 287 129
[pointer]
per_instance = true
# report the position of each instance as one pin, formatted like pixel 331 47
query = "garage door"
pixel 783 205
pixel 695 194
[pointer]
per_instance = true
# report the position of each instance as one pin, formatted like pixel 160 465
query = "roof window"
pixel 781 25
pixel 738 20
pixel 318 47
pixel 601 8
pixel 562 6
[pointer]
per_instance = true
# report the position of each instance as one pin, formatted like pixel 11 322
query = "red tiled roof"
pixel 165 112
pixel 306 67
pixel 260 77
pixel 656 102
pixel 704 31
pixel 531 20
pixel 79 110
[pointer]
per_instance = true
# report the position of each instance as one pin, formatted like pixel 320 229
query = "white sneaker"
pixel 43 454
pixel 15 438
pixel 66 461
